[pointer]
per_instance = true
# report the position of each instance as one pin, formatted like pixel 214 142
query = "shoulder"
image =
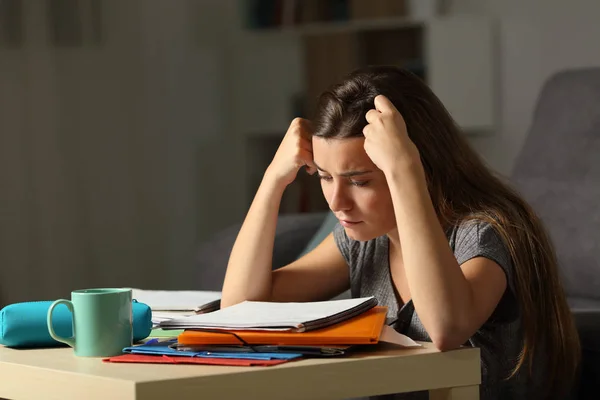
pixel 476 238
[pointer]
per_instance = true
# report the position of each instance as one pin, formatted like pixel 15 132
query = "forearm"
pixel 440 292
pixel 248 275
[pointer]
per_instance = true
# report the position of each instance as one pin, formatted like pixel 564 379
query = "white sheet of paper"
pixel 390 335
pixel 175 300
pixel 159 316
pixel 268 314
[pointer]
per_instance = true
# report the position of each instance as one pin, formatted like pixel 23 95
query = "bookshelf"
pixel 341 26
pixel 453 54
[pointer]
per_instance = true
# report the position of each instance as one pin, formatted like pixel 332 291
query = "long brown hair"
pixel 463 188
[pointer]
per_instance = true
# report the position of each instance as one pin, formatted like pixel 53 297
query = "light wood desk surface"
pixel 59 374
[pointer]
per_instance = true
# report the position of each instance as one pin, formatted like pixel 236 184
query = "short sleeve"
pixel 480 239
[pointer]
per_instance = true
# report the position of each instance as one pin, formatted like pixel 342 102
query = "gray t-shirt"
pixel 499 339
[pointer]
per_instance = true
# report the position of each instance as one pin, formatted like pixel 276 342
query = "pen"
pixel 209 307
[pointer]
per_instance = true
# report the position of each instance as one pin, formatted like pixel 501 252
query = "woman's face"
pixel 355 189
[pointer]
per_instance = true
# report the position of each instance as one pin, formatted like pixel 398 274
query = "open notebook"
pixel 257 315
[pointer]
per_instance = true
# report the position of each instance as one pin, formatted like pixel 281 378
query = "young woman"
pixel 456 255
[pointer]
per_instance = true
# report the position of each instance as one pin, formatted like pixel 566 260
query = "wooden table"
pixel 58 374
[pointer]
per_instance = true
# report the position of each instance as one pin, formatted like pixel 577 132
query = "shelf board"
pixel 318 28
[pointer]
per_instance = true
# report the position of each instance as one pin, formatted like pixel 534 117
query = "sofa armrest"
pixel 293 233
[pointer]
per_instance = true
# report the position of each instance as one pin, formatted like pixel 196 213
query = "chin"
pixel 361 235
pixel 364 233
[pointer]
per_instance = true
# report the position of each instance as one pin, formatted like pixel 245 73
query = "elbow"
pixel 449 338
pixel 445 343
pixel 228 299
pixel 225 303
pixel 239 296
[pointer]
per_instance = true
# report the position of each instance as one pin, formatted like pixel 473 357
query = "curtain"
pixel 105 109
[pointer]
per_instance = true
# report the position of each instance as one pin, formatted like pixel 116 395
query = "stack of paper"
pixel 366 328
pixel 267 333
pixel 257 315
pixel 163 352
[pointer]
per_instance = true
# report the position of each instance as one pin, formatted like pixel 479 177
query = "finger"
pixel 311 168
pixel 305 157
pixel 300 127
pixel 367 130
pixel 305 128
pixel 383 104
pixel 298 121
pixel 307 160
pixel 305 144
pixel 372 115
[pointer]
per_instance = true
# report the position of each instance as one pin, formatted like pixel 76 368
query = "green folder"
pixel 165 333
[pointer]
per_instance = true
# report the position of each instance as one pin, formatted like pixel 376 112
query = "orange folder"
pixel 362 329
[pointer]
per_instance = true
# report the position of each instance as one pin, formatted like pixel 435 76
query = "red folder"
pixel 362 329
pixel 147 359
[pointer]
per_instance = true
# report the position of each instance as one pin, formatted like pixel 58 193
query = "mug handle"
pixel 70 341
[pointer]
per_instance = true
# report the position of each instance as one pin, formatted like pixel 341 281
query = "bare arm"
pixel 249 274
pixel 319 275
pixel 452 301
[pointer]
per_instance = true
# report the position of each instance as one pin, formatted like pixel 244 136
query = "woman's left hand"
pixel 386 138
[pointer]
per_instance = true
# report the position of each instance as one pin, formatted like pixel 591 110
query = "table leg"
pixel 457 393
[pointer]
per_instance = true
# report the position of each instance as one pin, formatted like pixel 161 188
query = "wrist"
pixel 405 168
pixel 273 181
pixel 408 186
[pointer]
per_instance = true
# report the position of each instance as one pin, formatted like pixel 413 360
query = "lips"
pixel 348 223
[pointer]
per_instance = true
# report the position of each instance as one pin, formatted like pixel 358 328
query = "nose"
pixel 340 201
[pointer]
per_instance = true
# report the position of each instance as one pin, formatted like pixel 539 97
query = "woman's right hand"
pixel 294 152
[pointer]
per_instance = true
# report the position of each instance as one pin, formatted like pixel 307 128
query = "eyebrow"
pixel 348 173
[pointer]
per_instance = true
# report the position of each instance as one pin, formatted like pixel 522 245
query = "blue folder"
pixel 156 347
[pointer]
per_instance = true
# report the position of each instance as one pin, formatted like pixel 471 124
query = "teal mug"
pixel 102 321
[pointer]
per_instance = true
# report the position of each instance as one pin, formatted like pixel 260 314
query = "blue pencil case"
pixel 23 325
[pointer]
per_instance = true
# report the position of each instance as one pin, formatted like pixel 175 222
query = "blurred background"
pixel 131 131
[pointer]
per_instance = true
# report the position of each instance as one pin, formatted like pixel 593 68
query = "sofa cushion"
pixel 293 232
pixel 325 229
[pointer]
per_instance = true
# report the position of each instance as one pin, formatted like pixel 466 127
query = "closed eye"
pixel 360 183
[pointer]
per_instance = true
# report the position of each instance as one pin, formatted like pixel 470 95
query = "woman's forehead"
pixel 341 155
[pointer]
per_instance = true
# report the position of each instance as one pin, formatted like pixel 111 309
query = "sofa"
pixel 293 237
